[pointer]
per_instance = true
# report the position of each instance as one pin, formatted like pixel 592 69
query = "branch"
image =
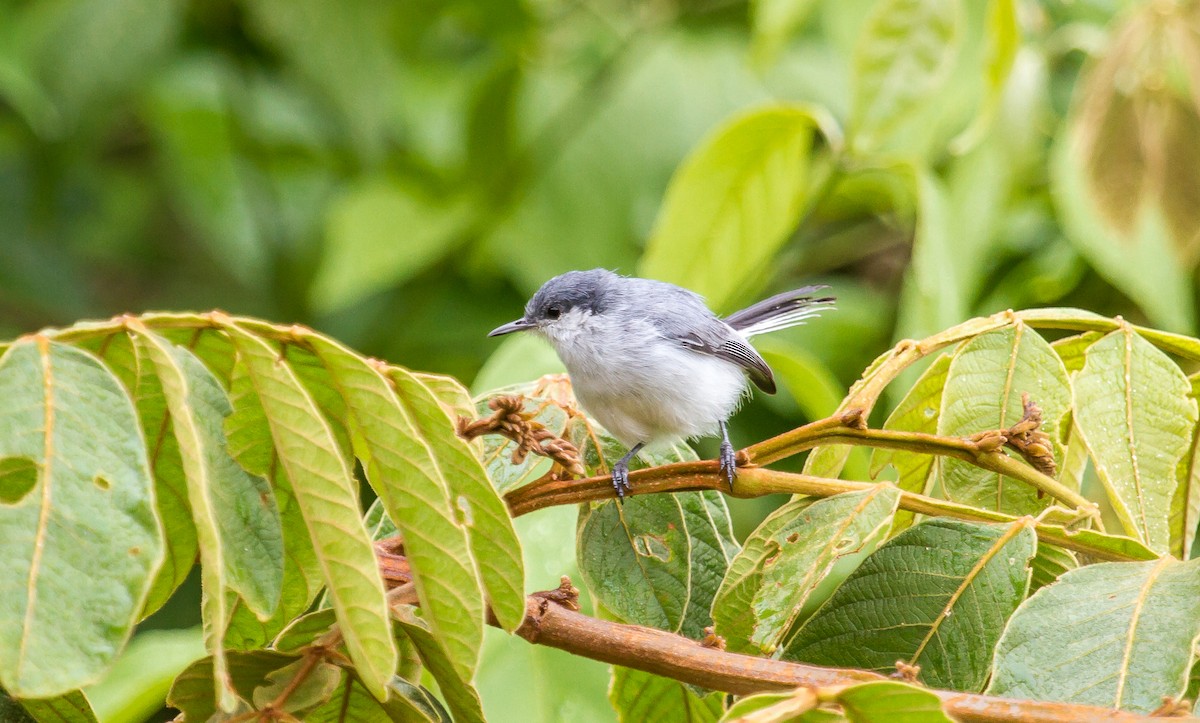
pixel 548 622
pixel 759 481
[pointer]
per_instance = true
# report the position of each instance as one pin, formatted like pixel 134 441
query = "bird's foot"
pixel 728 462
pixel 620 479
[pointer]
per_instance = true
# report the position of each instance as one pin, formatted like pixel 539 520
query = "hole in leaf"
pixel 793 537
pixel 465 516
pixel 101 482
pixel 843 544
pixel 18 477
pixel 652 546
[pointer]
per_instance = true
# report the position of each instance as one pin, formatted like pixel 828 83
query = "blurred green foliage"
pixel 402 176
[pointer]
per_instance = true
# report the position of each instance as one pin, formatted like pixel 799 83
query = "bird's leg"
pixel 728 457
pixel 620 471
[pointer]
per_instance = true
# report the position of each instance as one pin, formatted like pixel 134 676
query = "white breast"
pixel 642 391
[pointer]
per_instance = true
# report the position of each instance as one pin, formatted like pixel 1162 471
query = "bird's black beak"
pixel 519 325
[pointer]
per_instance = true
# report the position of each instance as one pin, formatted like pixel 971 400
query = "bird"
pixel 651 362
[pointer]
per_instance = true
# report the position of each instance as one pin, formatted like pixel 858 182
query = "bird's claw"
pixel 728 462
pixel 620 480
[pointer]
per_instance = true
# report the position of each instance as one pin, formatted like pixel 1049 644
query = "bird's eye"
pixel 553 312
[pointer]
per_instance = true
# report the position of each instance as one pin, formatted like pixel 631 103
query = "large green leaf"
pixel 791 553
pixel 406 474
pixel 1115 634
pixel 1134 414
pixel 984 388
pixel 732 204
pixel 237 522
pixel 638 696
pixel 81 539
pixel 917 412
pixel 494 543
pixel 937 596
pixel 137 373
pixel 325 493
pixel 250 443
pixel 904 54
pixel 655 560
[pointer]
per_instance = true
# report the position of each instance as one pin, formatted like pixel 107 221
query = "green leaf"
pixel 325 493
pixel 82 547
pixel 193 690
pixel 352 703
pixel 1116 635
pixel 772 24
pixel 302 631
pixel 405 472
pixel 656 560
pixel 237 523
pixel 494 543
pixel 1134 414
pixel 250 443
pixel 917 412
pixel 458 690
pixel 1049 564
pixel 639 696
pixel 890 701
pixel 937 595
pixel 732 204
pixel 362 254
pixel 138 375
pixel 305 684
pixel 984 388
pixel 72 707
pixel 792 552
pixel 902 57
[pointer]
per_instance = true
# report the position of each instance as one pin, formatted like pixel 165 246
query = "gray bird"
pixel 651 362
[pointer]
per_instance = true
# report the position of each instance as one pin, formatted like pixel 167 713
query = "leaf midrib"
pixel 1013 530
pixel 43 348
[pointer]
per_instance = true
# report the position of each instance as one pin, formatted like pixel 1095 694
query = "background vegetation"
pixel 402 176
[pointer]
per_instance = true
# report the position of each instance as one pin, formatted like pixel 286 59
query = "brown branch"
pixel 759 481
pixel 673 656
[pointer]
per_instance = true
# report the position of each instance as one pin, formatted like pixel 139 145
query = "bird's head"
pixel 564 304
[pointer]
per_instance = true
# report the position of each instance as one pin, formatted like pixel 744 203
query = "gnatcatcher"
pixel 651 362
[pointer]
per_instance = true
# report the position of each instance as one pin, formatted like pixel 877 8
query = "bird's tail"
pixel 791 308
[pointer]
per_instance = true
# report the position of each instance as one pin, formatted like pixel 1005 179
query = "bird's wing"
pixel 737 351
